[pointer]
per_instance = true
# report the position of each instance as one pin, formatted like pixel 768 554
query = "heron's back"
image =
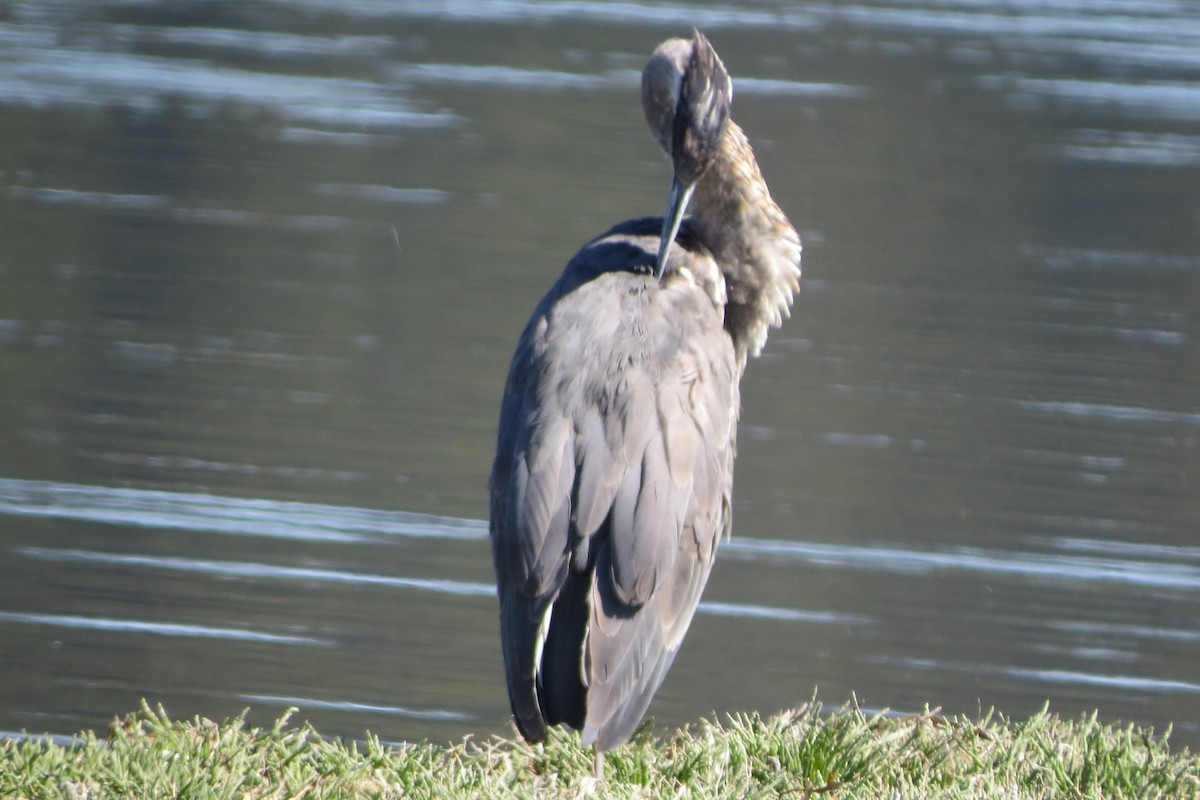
pixel 612 480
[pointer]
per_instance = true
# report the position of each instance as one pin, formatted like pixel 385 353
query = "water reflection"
pixel 206 514
pixel 154 628
pixel 308 702
pixel 263 272
pixel 209 514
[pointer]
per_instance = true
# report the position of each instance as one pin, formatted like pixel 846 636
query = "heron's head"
pixel 686 94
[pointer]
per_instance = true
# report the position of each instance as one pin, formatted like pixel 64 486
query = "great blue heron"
pixel 614 462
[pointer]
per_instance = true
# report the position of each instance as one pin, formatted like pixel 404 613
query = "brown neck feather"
pixel 756 248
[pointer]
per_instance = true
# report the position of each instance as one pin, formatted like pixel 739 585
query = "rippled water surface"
pixel 263 266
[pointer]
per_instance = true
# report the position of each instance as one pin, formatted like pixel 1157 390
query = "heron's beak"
pixel 677 201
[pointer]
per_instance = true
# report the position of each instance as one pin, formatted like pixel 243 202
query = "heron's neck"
pixel 755 246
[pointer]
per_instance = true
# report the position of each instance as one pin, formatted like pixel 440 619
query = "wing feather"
pixel 540 500
pixel 668 545
pixel 599 475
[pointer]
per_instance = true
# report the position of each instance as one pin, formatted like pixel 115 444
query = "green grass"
pixel 807 753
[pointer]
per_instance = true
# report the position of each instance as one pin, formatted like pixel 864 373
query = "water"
pixel 263 269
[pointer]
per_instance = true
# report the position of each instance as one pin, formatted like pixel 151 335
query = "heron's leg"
pixel 599 764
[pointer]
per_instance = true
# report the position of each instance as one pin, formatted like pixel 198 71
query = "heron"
pixel 613 477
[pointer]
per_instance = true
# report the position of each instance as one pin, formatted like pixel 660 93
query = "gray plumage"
pixel 614 462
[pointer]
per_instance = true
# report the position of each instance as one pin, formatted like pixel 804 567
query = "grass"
pixel 807 753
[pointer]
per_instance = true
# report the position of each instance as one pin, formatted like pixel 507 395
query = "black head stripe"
pixel 701 112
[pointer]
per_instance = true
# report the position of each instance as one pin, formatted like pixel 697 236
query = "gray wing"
pixel 611 485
